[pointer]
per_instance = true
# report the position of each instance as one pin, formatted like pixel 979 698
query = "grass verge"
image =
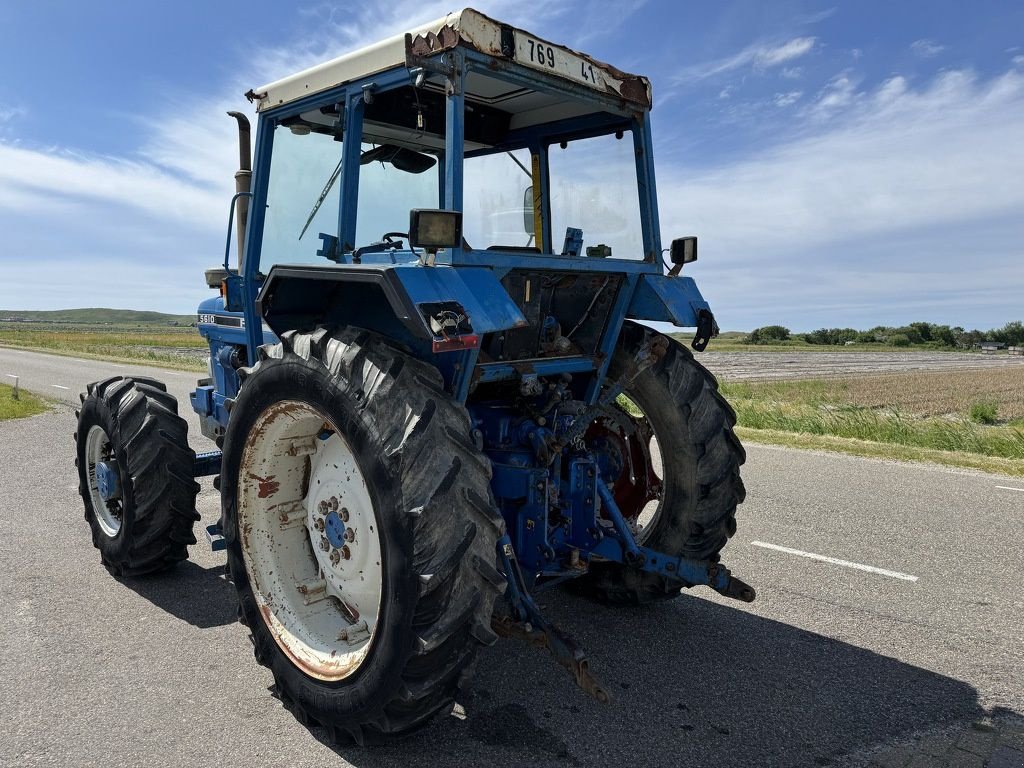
pixel 27 404
pixel 912 417
pixel 168 349
pixel 854 447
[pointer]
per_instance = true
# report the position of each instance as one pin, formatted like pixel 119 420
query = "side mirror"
pixel 433 230
pixel 684 250
pixel 528 210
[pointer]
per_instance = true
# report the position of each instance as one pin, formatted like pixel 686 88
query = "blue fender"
pixel 395 299
pixel 667 299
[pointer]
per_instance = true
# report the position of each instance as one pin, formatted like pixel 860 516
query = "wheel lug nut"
pixel 333 503
pixel 335 557
pixel 344 514
pixel 324 543
pixel 350 535
pixel 319 524
pixel 346 552
pixel 322 507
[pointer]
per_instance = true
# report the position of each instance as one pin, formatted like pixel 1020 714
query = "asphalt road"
pixel 831 663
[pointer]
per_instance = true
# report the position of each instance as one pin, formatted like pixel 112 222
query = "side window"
pixel 593 188
pixel 301 168
pixel 387 193
pixel 493 193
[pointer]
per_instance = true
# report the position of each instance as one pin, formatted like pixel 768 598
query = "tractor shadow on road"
pixel 201 596
pixel 693 682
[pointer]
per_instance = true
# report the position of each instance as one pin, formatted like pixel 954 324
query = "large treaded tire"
pixel 150 444
pixel 701 458
pixel 438 527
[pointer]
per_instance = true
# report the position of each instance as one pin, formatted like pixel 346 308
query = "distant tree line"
pixel 914 334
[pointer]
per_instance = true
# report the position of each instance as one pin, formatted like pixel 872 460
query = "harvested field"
pixel 807 365
pixel 928 410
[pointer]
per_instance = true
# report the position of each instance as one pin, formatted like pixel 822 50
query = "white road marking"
pixel 836 561
pixel 59 386
pixel 1008 488
pixel 13 376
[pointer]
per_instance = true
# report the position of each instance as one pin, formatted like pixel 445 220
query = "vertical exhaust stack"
pixel 243 180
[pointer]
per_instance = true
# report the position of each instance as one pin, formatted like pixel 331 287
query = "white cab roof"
pixel 471 29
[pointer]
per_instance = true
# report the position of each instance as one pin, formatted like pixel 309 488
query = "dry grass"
pixel 940 393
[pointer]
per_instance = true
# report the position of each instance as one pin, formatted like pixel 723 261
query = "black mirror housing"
pixel 684 250
pixel 433 230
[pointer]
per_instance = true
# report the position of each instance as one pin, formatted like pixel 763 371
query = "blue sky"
pixel 856 163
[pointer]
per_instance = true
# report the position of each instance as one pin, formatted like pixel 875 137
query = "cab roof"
pixel 473 30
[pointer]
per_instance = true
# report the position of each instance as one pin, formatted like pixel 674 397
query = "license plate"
pixel 549 58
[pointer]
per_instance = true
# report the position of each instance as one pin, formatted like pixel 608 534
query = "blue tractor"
pixel 430 379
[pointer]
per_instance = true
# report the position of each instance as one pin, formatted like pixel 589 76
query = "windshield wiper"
pixel 320 200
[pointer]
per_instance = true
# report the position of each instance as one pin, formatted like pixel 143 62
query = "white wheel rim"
pixel 317 577
pixel 97 450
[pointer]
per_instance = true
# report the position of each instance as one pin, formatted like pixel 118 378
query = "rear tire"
pixel 701 459
pixel 407 454
pixel 134 424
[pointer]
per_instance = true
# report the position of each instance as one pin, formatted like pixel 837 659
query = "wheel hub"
pixel 108 480
pixel 104 481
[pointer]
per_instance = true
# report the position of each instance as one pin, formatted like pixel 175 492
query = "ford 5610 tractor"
pixel 430 378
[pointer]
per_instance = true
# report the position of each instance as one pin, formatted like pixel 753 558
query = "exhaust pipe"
pixel 243 180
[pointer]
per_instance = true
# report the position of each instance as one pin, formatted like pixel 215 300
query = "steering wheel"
pixel 392 239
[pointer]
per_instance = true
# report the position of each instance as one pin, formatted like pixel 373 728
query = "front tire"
pixel 327 423
pixel 130 428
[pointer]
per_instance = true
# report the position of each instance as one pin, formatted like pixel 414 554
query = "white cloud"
pixel 7 114
pixel 814 18
pixel 926 49
pixel 760 56
pixel 40 175
pixel 794 49
pixel 838 94
pixel 1018 61
pixel 792 73
pixel 787 99
pixel 817 220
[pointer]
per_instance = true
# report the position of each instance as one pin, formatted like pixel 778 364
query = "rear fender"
pixel 397 301
pixel 668 299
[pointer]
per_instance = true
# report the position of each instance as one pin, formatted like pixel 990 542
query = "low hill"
pixel 95 316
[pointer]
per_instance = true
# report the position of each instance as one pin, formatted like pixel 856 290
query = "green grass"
pixel 984 411
pixel 27 404
pixel 817 408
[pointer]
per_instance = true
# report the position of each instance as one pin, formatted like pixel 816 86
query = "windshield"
pixel 493 193
pixel 300 172
pixel 387 194
pixel 593 188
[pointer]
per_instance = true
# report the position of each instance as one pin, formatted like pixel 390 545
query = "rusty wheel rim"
pixel 310 541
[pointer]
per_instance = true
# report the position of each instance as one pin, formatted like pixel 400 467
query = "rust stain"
pixel 268 485
pixel 445 38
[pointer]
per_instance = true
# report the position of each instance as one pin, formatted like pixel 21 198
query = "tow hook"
pixel 707 329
